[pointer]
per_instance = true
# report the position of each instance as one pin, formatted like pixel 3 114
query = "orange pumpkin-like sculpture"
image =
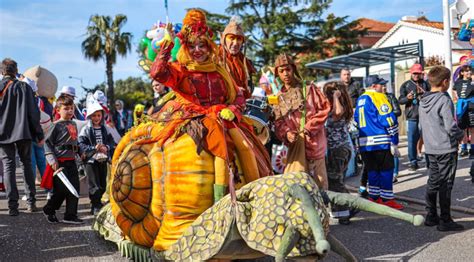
pixel 158 192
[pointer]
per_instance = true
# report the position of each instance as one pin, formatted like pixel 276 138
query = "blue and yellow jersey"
pixel 378 125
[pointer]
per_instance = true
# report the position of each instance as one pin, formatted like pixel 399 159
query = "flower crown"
pixel 192 32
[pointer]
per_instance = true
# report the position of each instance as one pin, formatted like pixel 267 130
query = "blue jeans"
pixel 413 137
pixel 396 162
pixel 351 167
pixel 38 159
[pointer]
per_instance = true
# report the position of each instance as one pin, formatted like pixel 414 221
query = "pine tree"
pixel 294 26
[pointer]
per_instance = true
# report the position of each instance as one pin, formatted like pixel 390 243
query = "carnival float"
pixel 165 199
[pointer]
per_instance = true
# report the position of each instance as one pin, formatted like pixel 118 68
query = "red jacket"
pixel 200 88
pixel 317 110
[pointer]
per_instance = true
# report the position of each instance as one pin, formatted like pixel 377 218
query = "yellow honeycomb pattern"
pixel 263 211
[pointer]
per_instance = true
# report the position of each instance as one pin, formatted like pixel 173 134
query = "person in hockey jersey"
pixel 378 138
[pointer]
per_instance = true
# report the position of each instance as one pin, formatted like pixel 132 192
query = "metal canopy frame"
pixel 370 57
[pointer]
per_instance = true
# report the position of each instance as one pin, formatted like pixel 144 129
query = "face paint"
pixel 233 43
pixel 199 50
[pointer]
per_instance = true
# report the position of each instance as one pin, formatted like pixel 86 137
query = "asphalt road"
pixel 29 237
pixel 370 237
pixel 373 238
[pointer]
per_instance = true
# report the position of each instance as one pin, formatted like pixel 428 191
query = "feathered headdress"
pixel 194 26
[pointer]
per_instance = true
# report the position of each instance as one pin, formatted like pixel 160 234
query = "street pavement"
pixel 374 238
pixel 370 237
pixel 29 237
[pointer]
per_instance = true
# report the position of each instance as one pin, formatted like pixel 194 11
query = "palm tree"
pixel 105 41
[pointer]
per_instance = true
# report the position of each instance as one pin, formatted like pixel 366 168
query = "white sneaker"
pixel 48 196
pixel 24 198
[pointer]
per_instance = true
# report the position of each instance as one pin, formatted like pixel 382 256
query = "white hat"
pixel 258 92
pixel 100 96
pixel 31 83
pixel 92 105
pixel 68 90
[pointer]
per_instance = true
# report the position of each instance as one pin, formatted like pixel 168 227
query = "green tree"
pixel 294 26
pixel 104 40
pixel 102 87
pixel 133 90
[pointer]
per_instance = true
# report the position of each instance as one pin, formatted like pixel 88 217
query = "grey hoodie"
pixel 441 133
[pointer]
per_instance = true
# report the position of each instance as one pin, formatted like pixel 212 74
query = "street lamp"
pixel 77 78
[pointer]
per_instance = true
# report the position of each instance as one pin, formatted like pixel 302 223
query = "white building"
pixel 411 29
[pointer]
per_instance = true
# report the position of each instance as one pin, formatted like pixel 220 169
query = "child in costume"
pixel 97 146
pixel 139 114
pixel 61 148
pixel 299 122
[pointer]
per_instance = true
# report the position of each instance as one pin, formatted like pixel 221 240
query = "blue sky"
pixel 50 32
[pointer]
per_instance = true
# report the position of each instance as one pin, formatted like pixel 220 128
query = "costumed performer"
pixel 233 60
pixel 205 95
pixel 299 122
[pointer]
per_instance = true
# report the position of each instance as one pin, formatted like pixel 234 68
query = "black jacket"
pixel 19 114
pixel 464 88
pixel 411 106
pixel 87 142
pixel 395 105
pixel 355 90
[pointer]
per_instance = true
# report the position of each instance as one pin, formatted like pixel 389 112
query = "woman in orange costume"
pixel 208 105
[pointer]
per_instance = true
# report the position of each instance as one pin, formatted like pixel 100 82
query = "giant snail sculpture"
pixel 161 208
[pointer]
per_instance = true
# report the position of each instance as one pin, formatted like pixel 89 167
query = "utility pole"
pixel 447 41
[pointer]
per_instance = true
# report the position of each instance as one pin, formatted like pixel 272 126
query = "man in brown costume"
pixel 299 122
pixel 232 58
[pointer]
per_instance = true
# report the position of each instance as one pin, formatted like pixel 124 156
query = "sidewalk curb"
pixel 465 210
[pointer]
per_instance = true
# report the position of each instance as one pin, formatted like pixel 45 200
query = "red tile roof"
pixel 423 21
pixel 437 25
pixel 374 25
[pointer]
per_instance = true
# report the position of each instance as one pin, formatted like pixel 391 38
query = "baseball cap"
pixel 68 90
pixel 374 79
pixel 416 69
